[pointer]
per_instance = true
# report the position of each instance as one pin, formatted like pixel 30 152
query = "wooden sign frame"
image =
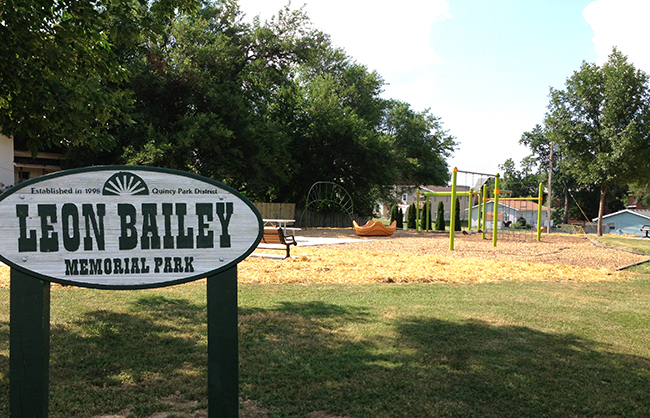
pixel 30 290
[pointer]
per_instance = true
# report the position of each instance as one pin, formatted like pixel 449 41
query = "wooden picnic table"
pixel 283 224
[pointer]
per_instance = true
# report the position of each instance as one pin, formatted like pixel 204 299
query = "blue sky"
pixel 483 67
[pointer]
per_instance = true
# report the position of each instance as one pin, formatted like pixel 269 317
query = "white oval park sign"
pixel 125 227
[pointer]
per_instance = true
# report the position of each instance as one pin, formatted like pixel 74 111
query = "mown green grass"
pixel 640 245
pixel 488 350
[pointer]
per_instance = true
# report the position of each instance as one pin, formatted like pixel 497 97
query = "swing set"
pixel 483 200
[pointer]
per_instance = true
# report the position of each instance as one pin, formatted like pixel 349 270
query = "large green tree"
pixel 63 66
pixel 601 123
pixel 420 144
pixel 520 183
pixel 270 108
pixel 539 162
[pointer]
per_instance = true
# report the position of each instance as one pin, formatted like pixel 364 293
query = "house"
pixel 407 195
pixel 510 212
pixel 446 200
pixel 17 164
pixel 633 203
pixel 626 221
pixel 6 162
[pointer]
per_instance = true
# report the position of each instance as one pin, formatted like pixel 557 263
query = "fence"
pixel 277 210
pixel 310 219
pixel 313 219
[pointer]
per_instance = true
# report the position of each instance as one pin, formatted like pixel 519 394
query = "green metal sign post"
pixel 223 355
pixel 29 346
pixel 116 228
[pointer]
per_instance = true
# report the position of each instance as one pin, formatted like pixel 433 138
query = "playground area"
pixel 424 257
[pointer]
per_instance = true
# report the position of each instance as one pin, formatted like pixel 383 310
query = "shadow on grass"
pixel 315 309
pixel 105 362
pixel 299 358
pixel 294 363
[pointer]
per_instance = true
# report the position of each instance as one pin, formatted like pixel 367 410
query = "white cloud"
pixel 621 23
pixel 372 30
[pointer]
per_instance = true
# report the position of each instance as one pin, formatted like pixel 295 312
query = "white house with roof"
pixel 446 200
pixel 407 195
pixel 510 212
pixel 627 221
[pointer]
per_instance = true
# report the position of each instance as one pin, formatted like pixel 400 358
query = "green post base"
pixel 29 346
pixel 223 354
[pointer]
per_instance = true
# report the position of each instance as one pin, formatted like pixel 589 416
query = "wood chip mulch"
pixel 424 257
pixel 409 256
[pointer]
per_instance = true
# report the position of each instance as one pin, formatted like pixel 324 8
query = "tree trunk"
pixel 601 209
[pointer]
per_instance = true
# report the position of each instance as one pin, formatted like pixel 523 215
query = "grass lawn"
pixel 638 245
pixel 385 350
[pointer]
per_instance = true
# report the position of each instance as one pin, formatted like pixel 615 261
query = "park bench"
pixel 646 229
pixel 276 239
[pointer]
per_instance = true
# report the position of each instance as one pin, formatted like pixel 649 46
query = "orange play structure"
pixel 372 228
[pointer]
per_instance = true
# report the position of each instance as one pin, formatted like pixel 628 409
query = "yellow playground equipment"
pixel 481 207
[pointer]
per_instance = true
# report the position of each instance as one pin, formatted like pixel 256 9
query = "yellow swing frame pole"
pixel 417 211
pixel 483 203
pixel 495 213
pixel 539 213
pixel 427 216
pixel 452 217
pixel 469 210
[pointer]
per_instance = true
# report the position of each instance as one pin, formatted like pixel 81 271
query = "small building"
pixel 407 195
pixel 6 162
pixel 18 165
pixel 510 213
pixel 626 221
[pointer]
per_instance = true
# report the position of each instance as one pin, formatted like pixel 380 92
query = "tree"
pixel 440 219
pixel 400 218
pixel 427 221
pixel 419 144
pixel 411 216
pixel 270 108
pixel 63 63
pixel 540 144
pixel 522 183
pixel 204 95
pixel 601 123
pixel 642 193
pixel 393 214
